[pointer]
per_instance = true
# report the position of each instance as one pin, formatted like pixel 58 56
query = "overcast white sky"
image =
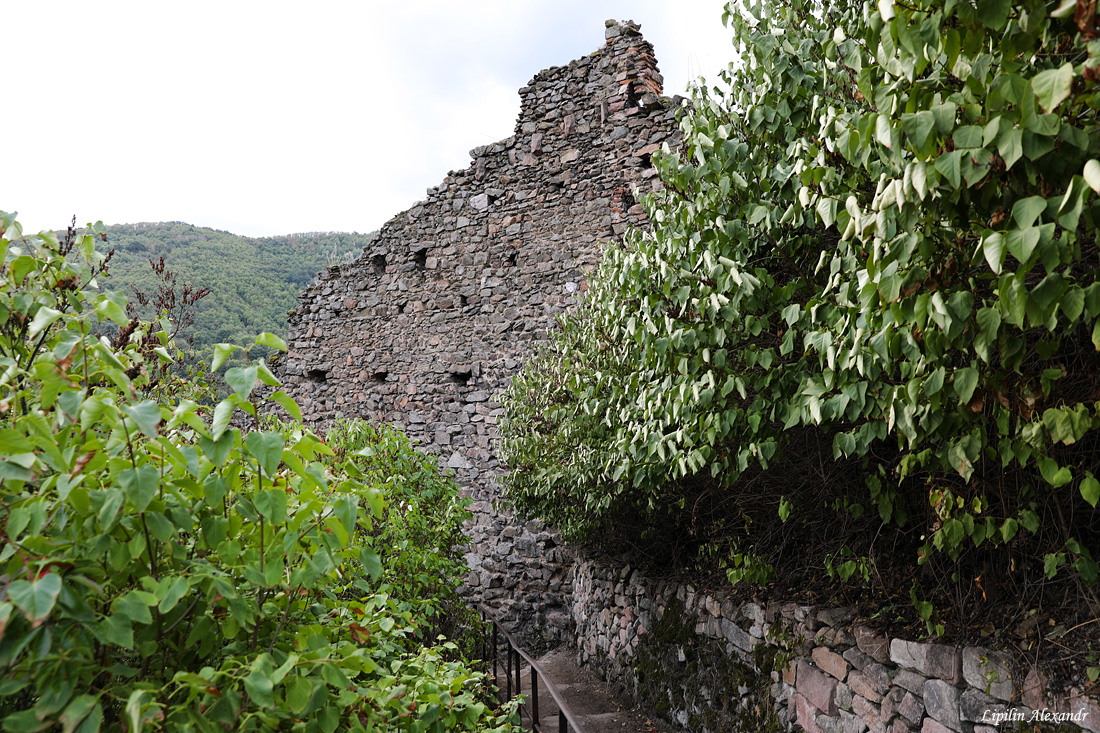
pixel 277 117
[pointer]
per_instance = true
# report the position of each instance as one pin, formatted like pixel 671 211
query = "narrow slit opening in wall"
pixel 460 378
pixel 378 262
pixel 512 256
pixel 379 377
pixel 316 375
pixel 421 259
pixel 628 200
pixel 462 300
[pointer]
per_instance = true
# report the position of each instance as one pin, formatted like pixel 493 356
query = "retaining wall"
pixel 706 663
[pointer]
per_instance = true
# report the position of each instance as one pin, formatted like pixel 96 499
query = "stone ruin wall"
pixel 427 326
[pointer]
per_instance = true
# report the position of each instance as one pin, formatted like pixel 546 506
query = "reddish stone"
pixel 932 726
pixel 865 687
pixel 816 687
pixel 806 714
pixel 872 643
pixel 830 662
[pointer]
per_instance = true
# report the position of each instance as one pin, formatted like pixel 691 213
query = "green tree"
pixel 878 236
pixel 162 570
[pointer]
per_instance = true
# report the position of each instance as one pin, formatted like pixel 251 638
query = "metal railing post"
pixel 534 696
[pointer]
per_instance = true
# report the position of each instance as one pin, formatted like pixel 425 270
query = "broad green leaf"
pixel 288 404
pixel 272 505
pixel 78 710
pixel 112 306
pixel 826 209
pixel 222 414
pixel 270 340
pixel 170 591
pixel 1022 243
pixel 950 166
pixel 267 449
pixel 967 136
pixel 994 13
pixel 1052 86
pixel 1026 211
pixel 221 353
pixel 883 133
pixel 298 691
pixel 133 606
pixel 1010 145
pixel 917 126
pixel 346 509
pixel 944 115
pixel 1092 174
pixel 1073 303
pixel 42 320
pixel 35 598
pixel 242 379
pixel 965 382
pixel 1054 475
pixel 372 563
pixel 993 247
pixel 146 415
pixel 140 485
pixel 1090 490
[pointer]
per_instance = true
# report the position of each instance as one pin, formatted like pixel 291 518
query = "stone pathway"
pixel 590 699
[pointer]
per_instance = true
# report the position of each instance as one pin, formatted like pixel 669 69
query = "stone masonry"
pixel 427 326
pixel 706 663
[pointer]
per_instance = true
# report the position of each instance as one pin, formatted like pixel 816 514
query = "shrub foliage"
pixel 160 569
pixel 878 239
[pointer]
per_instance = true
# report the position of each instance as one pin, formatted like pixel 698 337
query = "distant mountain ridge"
pixel 253 281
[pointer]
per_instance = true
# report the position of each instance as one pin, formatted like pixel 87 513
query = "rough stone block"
pixel 737 636
pixel 941 701
pixel 911 708
pixel 910 680
pixel 805 713
pixel 872 643
pixel 890 703
pixel 843 697
pixel 868 712
pixel 865 687
pixel 932 726
pixel 850 723
pixel 931 660
pixel 988 671
pixel 818 688
pixel 830 662
pixel 857 658
pixel 976 706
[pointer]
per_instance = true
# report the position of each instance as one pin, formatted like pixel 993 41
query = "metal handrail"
pixel 515 652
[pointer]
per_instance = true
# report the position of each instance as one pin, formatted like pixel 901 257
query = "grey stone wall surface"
pixel 707 663
pixel 427 326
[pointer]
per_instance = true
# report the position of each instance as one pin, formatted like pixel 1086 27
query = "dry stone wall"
pixel 428 325
pixel 706 663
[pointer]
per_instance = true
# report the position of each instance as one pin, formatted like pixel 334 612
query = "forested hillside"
pixel 253 282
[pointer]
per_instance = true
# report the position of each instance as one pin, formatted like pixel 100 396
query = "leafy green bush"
pixel 162 570
pixel 879 236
